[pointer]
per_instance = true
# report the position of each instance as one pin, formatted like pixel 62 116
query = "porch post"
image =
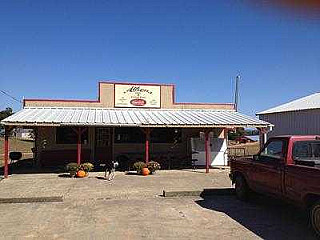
pixel 79 147
pixel 225 155
pixel 147 132
pixel 262 136
pixel 207 149
pixel 6 152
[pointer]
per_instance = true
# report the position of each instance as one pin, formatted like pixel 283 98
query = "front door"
pixel 103 145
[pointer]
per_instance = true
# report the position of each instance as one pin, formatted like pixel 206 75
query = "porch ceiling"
pixel 35 116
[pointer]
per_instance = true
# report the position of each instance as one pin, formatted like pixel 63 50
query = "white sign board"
pixel 143 96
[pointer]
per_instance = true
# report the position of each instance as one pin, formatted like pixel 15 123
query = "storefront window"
pixel 129 135
pixel 67 135
pixel 165 135
pixel 158 135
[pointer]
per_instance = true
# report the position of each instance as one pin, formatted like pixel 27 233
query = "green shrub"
pixel 72 168
pixel 153 166
pixel 87 167
pixel 138 166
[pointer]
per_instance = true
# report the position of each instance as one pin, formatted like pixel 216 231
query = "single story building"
pixel 128 122
pixel 298 117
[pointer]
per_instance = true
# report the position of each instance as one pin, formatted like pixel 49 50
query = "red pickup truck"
pixel 287 167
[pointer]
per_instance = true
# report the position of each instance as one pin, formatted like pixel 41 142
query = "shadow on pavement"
pixel 267 218
pixel 27 166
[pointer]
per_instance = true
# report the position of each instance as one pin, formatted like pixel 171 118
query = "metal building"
pixel 298 117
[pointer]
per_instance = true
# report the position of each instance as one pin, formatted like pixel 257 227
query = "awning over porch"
pixel 195 118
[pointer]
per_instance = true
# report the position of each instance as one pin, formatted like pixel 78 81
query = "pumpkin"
pixel 81 174
pixel 145 171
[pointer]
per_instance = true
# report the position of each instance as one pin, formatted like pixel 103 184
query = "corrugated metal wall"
pixel 306 122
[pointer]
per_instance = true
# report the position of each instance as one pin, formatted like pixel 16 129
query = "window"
pixel 67 135
pixel 136 135
pixel 129 135
pixel 273 149
pixel 306 150
pixel 165 135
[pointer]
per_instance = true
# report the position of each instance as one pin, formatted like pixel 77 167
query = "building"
pixel 24 134
pixel 298 117
pixel 128 122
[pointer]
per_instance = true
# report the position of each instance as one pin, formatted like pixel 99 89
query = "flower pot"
pixel 145 171
pixel 81 174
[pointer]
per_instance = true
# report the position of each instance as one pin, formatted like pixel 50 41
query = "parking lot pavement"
pixel 123 186
pixel 151 218
pixel 136 211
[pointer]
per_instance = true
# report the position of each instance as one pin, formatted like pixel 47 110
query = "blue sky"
pixel 61 49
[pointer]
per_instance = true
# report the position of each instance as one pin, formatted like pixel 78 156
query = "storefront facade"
pixel 128 122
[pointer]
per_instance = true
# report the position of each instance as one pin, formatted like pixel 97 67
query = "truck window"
pixel 316 150
pixel 273 149
pixel 306 150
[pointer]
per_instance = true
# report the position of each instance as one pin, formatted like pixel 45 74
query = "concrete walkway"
pixel 123 186
pixel 130 208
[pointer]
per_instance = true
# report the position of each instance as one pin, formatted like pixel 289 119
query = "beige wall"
pixel 106 100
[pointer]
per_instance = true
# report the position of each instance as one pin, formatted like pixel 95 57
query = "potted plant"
pixel 72 168
pixel 81 170
pixel 86 167
pixel 138 166
pixel 153 166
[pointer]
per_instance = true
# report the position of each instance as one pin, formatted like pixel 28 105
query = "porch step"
pixel 199 193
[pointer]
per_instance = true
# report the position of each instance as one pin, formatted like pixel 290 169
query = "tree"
pixel 239 132
pixel 4 114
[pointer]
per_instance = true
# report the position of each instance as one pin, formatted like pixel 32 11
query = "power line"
pixel 8 95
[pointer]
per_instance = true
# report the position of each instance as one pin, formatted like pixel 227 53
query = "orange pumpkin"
pixel 81 174
pixel 145 171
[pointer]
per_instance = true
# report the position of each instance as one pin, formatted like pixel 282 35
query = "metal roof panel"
pixel 132 117
pixel 309 102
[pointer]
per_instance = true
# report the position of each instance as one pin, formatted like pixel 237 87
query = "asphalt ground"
pixel 131 207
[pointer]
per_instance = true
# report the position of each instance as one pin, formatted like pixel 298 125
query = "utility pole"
pixel 236 93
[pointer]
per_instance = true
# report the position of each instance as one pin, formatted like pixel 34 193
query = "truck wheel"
pixel 241 188
pixel 315 217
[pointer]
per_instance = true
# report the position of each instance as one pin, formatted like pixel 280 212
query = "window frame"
pixel 273 157
pixel 311 144
pixel 84 137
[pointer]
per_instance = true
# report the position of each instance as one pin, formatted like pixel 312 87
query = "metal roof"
pixel 36 116
pixel 308 102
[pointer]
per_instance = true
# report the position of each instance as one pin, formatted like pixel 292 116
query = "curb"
pixel 31 199
pixel 197 193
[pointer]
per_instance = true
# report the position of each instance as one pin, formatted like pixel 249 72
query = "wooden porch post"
pixel 79 147
pixel 6 152
pixel 207 149
pixel 262 136
pixel 147 132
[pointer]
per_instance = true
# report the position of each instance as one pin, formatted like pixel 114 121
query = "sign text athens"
pixel 127 95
